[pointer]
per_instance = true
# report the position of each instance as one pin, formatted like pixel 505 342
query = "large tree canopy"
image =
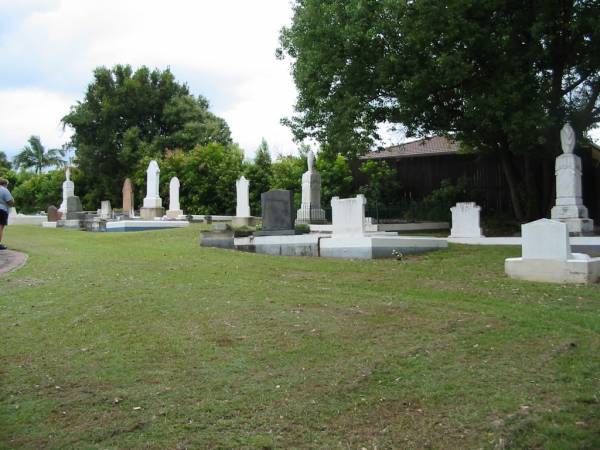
pixel 499 75
pixel 126 116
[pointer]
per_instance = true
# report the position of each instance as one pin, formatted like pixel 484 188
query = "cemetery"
pixel 416 267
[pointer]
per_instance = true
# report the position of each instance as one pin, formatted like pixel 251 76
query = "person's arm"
pixel 10 202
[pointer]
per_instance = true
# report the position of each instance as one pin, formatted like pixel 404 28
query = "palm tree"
pixel 36 156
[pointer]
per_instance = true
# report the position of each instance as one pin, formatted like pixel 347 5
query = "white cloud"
pixel 27 112
pixel 223 50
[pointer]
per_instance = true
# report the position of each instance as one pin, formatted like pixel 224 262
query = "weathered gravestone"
pixel 53 214
pixel 74 209
pixel 105 210
pixel 278 213
pixel 128 204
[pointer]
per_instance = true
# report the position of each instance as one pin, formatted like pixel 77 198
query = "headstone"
pixel 465 220
pixel 128 201
pixel 545 239
pixel 68 190
pixel 242 188
pixel 174 207
pixel 348 216
pixel 152 202
pixel 105 210
pixel 74 209
pixel 310 209
pixel 277 213
pixel 569 202
pixel 53 214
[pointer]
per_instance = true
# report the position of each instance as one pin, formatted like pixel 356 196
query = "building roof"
pixel 436 145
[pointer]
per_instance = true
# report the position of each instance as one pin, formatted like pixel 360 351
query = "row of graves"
pixel 560 249
pixel 151 216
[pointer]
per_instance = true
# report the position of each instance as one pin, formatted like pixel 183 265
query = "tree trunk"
pixel 513 184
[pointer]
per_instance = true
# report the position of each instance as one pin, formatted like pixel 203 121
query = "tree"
pixel 259 173
pixel 382 185
pixel 287 174
pixel 128 116
pixel 500 76
pixel 5 164
pixel 336 176
pixel 35 156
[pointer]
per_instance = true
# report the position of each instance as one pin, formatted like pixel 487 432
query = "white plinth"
pixel 174 214
pixel 377 246
pixel 581 269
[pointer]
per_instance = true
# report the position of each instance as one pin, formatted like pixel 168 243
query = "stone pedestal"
pixel 310 209
pixel 151 213
pixel 569 206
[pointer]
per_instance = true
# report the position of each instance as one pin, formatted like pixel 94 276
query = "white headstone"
pixel 348 216
pixel 68 190
pixel 105 210
pixel 310 210
pixel 152 199
pixel 545 239
pixel 242 188
pixel 569 206
pixel 174 194
pixel 465 220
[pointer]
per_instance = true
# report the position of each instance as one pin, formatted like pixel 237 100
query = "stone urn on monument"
pixel 152 206
pixel 310 209
pixel 569 206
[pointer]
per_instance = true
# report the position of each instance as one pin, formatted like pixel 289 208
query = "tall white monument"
pixel 569 203
pixel 242 188
pixel 174 208
pixel 310 210
pixel 152 206
pixel 68 190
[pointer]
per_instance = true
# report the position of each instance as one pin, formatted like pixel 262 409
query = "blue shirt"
pixel 5 197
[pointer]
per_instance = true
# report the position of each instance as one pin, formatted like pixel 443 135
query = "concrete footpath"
pixel 11 260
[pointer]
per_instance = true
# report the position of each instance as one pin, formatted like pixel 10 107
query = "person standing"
pixel 6 201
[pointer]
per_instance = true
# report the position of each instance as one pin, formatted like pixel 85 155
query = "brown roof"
pixel 436 145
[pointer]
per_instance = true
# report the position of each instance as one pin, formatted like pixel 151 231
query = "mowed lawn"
pixel 146 340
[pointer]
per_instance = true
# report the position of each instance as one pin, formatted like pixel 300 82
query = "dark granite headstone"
pixel 278 213
pixel 74 208
pixel 53 214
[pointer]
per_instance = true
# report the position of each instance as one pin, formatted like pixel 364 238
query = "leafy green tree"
pixel 287 174
pixel 207 176
pixel 500 76
pixel 4 162
pixel 35 156
pixel 336 177
pixel 34 192
pixel 126 117
pixel 259 173
pixel 382 184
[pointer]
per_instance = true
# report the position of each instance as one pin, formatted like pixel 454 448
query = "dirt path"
pixel 11 260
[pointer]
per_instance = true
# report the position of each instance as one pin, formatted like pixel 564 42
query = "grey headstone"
pixel 53 214
pixel 74 208
pixel 278 213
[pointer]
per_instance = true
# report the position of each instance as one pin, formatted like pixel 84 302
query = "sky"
pixel 223 50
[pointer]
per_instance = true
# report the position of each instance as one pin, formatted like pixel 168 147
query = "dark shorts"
pixel 3 217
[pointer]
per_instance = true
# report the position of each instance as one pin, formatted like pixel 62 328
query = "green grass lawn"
pixel 146 340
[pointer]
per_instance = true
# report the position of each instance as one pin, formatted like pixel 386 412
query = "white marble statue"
pixel 174 207
pixel 569 206
pixel 68 190
pixel 152 199
pixel 310 210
